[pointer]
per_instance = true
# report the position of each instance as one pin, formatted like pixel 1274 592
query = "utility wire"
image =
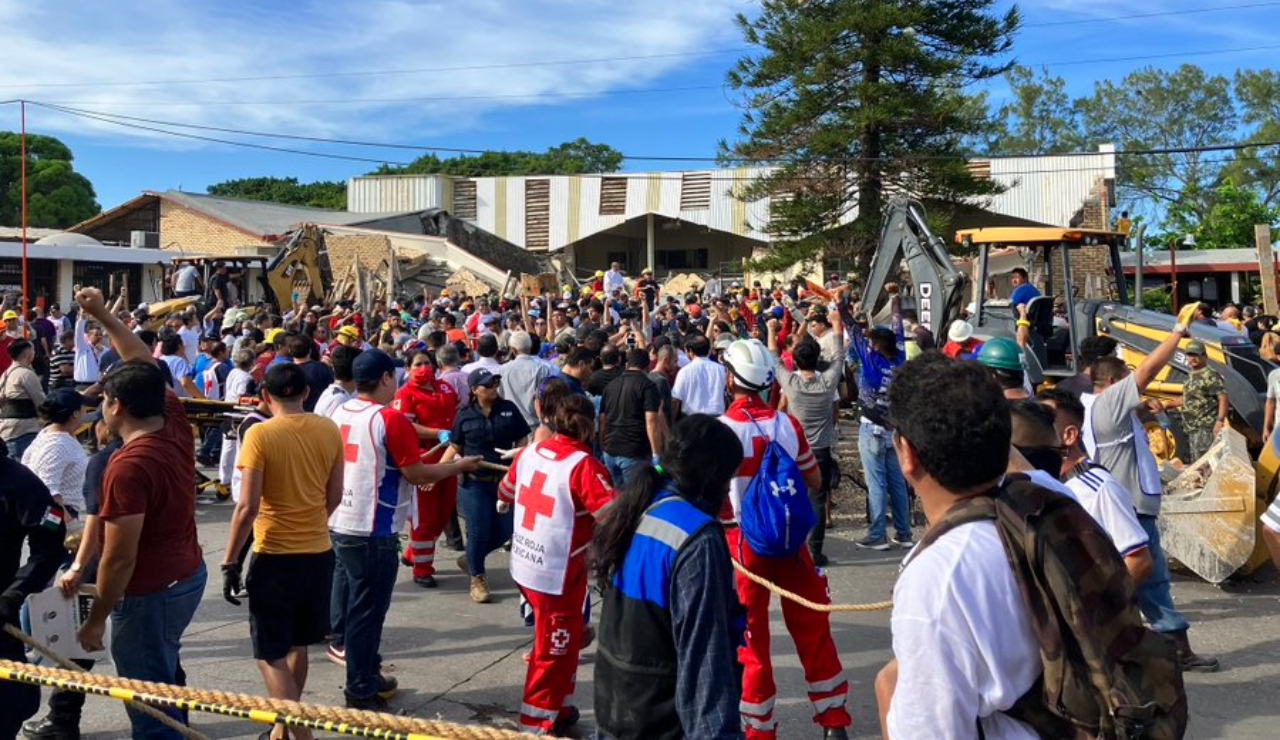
pixel 1154 14
pixel 387 72
pixel 121 119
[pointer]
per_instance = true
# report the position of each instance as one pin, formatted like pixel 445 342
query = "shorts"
pixel 288 602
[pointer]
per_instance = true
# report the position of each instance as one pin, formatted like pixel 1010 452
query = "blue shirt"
pixel 1023 294
pixel 875 371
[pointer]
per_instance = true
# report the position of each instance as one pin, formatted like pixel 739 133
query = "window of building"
pixel 682 259
pixel 613 196
pixel 695 191
pixel 464 199
pixel 537 214
pixel 106 274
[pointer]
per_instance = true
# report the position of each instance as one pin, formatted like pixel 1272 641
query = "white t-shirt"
pixel 1111 507
pixel 330 399
pixel 190 343
pixel 699 387
pixel 1273 385
pixel 238 382
pixel 187 278
pixel 963 640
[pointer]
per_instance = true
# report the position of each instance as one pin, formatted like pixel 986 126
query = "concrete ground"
pixel 461 662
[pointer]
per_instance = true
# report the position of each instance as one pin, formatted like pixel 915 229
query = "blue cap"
pixel 370 365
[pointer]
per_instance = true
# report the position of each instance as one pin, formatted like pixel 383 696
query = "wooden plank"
pixel 1267 269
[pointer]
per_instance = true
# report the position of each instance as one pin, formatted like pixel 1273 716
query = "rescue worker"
pixel 749 374
pixel 31 520
pixel 1003 358
pixel 431 405
pixel 558 489
pixel 671 618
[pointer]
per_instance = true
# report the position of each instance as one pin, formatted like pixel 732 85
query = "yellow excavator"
pixel 299 272
pixel 1210 514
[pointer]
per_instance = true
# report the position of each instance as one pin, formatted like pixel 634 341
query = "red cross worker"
pixel 431 405
pixel 558 489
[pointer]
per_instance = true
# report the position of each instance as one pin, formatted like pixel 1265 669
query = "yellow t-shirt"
pixel 295 454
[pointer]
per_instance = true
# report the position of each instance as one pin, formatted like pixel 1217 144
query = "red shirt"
pixel 152 475
pixel 588 483
pixel 433 406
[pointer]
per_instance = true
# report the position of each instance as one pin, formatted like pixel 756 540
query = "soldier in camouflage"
pixel 1204 403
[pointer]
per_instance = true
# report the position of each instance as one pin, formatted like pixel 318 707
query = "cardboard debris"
pixel 464 282
pixel 535 285
pixel 682 284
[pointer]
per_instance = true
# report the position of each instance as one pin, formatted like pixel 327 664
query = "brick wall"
pixel 182 229
pixel 370 249
pixel 1090 265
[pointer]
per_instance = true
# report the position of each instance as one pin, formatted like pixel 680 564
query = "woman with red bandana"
pixel 431 405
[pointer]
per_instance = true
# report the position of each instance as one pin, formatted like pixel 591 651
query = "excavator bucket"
pixel 1209 513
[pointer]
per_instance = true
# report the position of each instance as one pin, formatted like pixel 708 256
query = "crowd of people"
pixel 612 438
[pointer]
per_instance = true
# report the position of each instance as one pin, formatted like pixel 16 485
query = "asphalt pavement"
pixel 462 662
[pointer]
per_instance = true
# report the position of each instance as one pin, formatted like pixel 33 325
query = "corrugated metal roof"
pixel 1194 257
pixel 260 218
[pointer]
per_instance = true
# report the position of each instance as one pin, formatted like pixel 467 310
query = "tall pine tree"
pixel 852 98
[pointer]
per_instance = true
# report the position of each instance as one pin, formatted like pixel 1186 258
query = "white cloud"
pixel 78 51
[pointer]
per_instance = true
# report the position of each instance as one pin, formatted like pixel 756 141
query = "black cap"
pixel 371 365
pixel 64 399
pixel 481 377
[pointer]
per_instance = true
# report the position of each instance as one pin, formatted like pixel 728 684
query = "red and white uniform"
pixel 756 424
pixel 432 404
pixel 378 442
pixel 558 489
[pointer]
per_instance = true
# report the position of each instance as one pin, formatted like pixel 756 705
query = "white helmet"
pixel 750 363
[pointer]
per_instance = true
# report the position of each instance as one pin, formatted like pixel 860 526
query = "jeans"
pixel 884 481
pixel 146 633
pixel 210 443
pixel 1153 595
pixel 369 566
pixel 487 530
pixel 818 499
pixel 623 469
pixel 19 445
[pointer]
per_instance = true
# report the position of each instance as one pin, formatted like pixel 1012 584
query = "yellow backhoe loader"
pixel 1210 514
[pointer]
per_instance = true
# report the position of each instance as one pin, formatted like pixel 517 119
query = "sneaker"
pixel 569 717
pixel 479 590
pixel 373 703
pixel 463 565
pixel 336 655
pixel 835 733
pixel 426 581
pixel 387 686
pixel 872 543
pixel 48 728
pixel 906 543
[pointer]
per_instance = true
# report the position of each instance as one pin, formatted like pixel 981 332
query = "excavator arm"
pixel 301 267
pixel 937 287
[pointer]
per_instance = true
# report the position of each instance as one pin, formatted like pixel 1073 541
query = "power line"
pixel 385 72
pixel 120 118
pixel 1156 14
pixel 1146 57
pixel 357 101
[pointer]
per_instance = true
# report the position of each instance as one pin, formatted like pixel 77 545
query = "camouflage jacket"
pixel 1200 399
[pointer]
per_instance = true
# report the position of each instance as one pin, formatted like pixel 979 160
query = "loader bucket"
pixel 1209 512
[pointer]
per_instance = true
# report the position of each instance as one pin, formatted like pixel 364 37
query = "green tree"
pixel 852 98
pixel 1161 109
pixel 1258 93
pixel 1230 220
pixel 321 194
pixel 57 195
pixel 1037 117
pixel 570 158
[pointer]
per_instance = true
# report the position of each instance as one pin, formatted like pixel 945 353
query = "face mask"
pixel 246 332
pixel 422 375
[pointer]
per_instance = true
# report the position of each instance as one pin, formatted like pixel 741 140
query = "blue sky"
pixel 667 99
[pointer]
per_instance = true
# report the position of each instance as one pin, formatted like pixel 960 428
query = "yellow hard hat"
pixel 599 273
pixel 444 292
pixel 10 316
pixel 273 335
pixel 350 331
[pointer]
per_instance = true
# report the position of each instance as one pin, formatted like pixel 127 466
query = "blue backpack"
pixel 775 515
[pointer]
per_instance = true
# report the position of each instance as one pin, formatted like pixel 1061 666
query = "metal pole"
pixel 649 256
pixel 1138 246
pixel 22 105
pixel 1173 273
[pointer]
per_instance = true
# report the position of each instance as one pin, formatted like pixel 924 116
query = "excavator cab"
pixel 1056 316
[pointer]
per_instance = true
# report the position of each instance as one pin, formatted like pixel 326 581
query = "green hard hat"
pixel 1000 353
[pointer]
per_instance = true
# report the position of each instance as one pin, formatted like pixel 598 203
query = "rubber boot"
pixel 1189 659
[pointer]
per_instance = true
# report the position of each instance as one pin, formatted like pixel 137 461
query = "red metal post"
pixel 1173 273
pixel 23 107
